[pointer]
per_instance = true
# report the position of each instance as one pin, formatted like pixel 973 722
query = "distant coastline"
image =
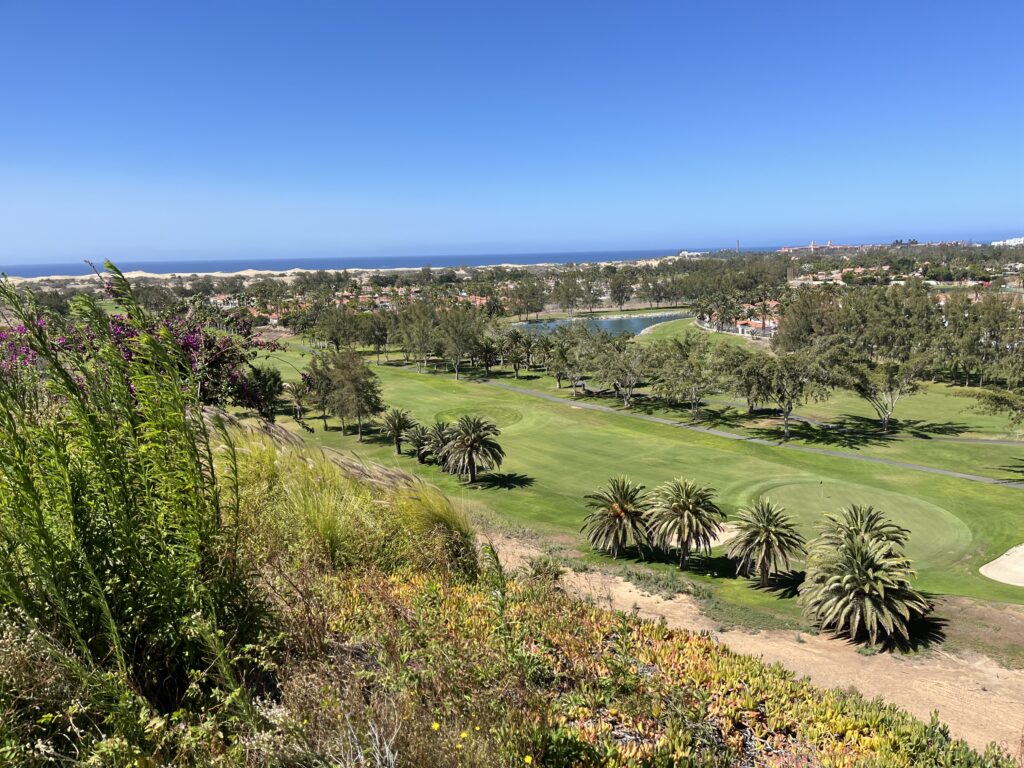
pixel 262 266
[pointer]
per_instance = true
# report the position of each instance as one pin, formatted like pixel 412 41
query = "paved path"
pixel 755 440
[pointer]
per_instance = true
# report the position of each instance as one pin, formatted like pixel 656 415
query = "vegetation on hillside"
pixel 176 592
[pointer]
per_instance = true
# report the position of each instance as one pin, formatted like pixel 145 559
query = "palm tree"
pixel 619 516
pixel 471 447
pixel 858 580
pixel 298 391
pixel 395 423
pixel 418 437
pixel 766 539
pixel 685 517
pixel 864 521
pixel 437 442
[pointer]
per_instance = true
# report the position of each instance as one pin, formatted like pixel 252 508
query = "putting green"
pixel 937 536
pixel 503 417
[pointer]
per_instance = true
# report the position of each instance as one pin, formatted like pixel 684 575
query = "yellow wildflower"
pixel 528 759
pixel 435 726
pixel 463 735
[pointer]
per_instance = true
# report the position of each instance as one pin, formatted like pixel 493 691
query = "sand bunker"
pixel 727 533
pixel 1007 568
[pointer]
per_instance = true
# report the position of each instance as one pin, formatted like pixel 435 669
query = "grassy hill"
pixel 177 591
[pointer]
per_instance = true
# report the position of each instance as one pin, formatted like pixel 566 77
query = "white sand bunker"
pixel 728 533
pixel 1007 568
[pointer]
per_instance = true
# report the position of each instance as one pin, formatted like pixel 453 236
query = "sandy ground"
pixel 1007 568
pixel 980 700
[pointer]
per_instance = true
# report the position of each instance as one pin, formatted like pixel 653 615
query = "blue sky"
pixel 276 128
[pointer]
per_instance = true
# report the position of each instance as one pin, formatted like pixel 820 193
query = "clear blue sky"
pixel 276 128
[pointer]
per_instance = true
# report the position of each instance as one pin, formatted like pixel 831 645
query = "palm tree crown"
pixel 619 516
pixel 418 437
pixel 766 539
pixel 684 516
pixel 395 423
pixel 437 441
pixel 858 579
pixel 472 447
pixel 863 521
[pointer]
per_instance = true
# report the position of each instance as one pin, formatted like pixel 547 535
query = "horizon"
pixel 406 131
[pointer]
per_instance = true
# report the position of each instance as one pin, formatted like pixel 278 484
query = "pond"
pixel 611 323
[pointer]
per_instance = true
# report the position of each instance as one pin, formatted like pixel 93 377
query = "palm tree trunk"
pixel 472 468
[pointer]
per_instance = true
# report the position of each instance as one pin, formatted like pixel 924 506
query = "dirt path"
pixel 756 440
pixel 980 700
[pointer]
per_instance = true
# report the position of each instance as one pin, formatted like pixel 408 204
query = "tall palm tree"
pixel 766 539
pixel 437 442
pixel 395 423
pixel 619 516
pixel 418 437
pixel 858 582
pixel 684 517
pixel 472 447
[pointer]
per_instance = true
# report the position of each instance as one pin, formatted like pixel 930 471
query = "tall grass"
pixel 114 554
pixel 302 503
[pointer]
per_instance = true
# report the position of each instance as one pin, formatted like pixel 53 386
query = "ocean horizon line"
pixel 189 266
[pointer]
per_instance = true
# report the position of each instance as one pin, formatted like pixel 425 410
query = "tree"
pixel 881 385
pixel 686 369
pixel 437 442
pixel 567 292
pixel 395 423
pixel 651 289
pixel 263 388
pixel 527 296
pixel 619 517
pixel 794 378
pixel 346 387
pixel 766 540
pixel 418 437
pixel 417 323
pixel 623 365
pixel 459 329
pixel 748 374
pixel 513 348
pixel 620 289
pixel 339 327
pixel 472 447
pixel 377 332
pixel 298 391
pixel 859 581
pixel 318 384
pixel 684 517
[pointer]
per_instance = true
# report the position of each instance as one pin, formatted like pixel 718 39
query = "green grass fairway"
pixel 673 329
pixel 557 453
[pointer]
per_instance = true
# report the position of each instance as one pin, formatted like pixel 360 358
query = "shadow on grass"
pixel 785 585
pixel 851 432
pixel 505 481
pixel 1017 468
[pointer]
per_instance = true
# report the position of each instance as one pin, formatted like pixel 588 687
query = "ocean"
pixel 281 264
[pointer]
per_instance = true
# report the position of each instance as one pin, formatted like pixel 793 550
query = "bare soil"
pixel 979 699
